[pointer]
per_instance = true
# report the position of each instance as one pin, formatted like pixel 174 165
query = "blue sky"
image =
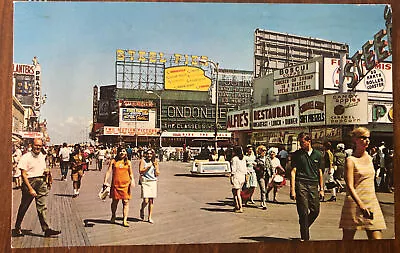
pixel 76 42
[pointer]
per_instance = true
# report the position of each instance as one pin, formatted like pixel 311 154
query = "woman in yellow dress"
pixel 122 182
pixel 361 210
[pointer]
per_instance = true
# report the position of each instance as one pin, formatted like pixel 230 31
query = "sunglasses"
pixel 364 137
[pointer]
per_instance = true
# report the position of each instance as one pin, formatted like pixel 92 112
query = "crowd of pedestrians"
pixel 32 175
pixel 359 171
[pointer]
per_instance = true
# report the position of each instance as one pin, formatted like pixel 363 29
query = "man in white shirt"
pixel 64 155
pixel 35 186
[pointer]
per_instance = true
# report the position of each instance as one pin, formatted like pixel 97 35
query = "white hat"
pixel 273 149
pixel 340 146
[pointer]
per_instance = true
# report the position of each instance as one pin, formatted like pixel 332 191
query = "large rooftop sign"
pixel 148 70
pixel 373 52
pixel 186 78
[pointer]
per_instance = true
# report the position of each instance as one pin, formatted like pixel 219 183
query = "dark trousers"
pixel 40 186
pixel 308 206
pixel 64 168
pixel 263 182
pixel 100 163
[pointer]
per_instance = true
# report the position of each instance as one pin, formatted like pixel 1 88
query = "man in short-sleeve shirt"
pixel 306 183
pixel 35 186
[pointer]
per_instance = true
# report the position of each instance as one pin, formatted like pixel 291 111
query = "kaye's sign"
pixel 380 112
pixel 276 116
pixel 238 120
pixel 299 78
pixel 347 108
pixel 312 111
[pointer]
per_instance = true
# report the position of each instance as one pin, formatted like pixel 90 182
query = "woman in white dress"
pixel 238 177
pixel 149 171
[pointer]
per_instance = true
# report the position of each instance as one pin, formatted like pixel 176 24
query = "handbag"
pixel 278 179
pixel 104 192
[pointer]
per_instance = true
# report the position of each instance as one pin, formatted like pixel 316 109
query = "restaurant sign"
pixel 276 116
pixel 238 120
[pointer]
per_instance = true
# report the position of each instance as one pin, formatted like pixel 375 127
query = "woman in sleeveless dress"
pixel 122 182
pixel 149 171
pixel 361 210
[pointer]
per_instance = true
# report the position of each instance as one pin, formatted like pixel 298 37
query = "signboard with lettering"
pixel 373 52
pixel 37 89
pixel 95 103
pixel 134 114
pixel 24 69
pixel 347 108
pixel 141 103
pixel 380 112
pixel 193 117
pixel 297 78
pixel 31 135
pixel 238 120
pixel 327 133
pixel 312 111
pixel 130 131
pixel 378 79
pixel 276 116
pixel 196 134
pixel 159 57
pixel 186 78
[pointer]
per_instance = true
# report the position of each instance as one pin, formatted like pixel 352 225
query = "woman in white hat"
pixel 278 179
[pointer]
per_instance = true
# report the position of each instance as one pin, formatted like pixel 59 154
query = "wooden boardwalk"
pixel 188 209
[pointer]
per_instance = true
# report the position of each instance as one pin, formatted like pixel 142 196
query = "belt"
pixel 39 177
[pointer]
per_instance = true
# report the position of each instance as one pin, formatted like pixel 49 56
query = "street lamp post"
pixel 216 67
pixel 159 97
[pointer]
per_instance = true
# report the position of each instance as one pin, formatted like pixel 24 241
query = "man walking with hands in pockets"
pixel 306 178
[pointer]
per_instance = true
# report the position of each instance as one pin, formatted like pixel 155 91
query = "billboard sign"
pixel 379 79
pixel 134 114
pixel 186 78
pixel 297 78
pixel 347 108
